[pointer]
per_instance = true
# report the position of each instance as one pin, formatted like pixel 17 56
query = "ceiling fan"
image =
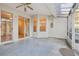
pixel 25 5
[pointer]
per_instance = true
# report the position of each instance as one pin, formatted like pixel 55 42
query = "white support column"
pixel 38 25
pixel 15 28
pixel 29 30
pixel 47 26
pixel 24 28
pixel 73 30
pixel 31 26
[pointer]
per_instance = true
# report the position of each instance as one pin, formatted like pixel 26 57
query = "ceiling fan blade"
pixel 19 6
pixel 30 7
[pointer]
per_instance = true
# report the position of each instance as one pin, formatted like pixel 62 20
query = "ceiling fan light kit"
pixel 26 5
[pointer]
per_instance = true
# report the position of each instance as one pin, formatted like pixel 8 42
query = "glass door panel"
pixel 21 27
pixel 9 31
pixel 42 24
pixel 6 15
pixel 34 24
pixel 3 31
pixel 6 31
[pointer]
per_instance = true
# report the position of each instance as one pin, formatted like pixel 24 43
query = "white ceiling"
pixel 41 8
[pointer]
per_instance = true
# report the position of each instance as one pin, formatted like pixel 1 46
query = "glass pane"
pixel 6 16
pixel 34 24
pixel 3 31
pixel 42 27
pixel 77 21
pixel 42 24
pixel 9 31
pixel 21 27
pixel 77 25
pixel 6 31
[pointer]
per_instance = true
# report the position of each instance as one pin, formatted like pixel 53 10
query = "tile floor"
pixel 34 47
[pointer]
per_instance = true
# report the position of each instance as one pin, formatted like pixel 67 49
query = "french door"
pixel 23 27
pixel 6 31
pixel 6 27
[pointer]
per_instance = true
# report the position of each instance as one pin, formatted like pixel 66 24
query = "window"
pixel 77 21
pixel 42 24
pixel 6 16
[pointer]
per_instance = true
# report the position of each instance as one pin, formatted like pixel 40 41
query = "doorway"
pixel 23 27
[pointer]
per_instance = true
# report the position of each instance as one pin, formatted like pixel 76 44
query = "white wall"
pixel 59 29
pixel 15 28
